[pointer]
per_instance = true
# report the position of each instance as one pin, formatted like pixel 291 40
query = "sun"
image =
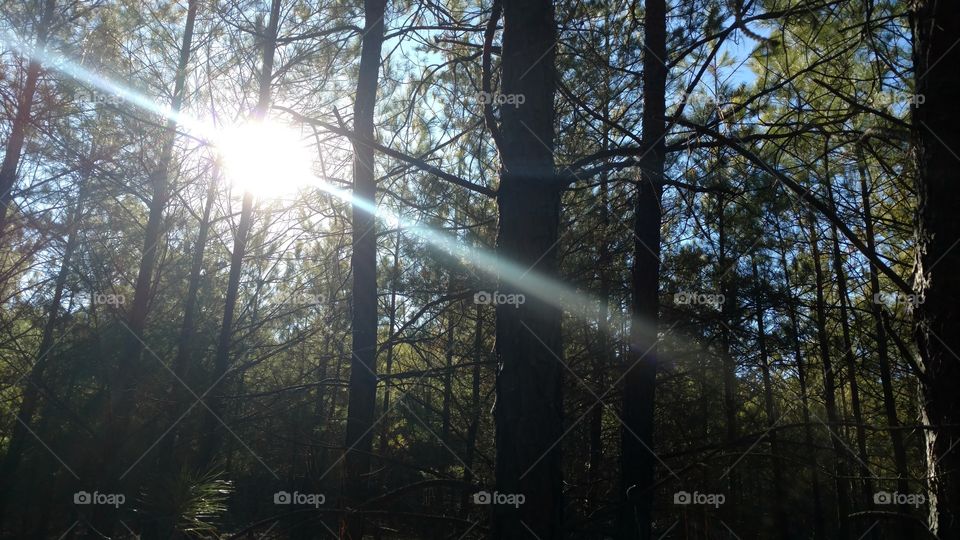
pixel 267 158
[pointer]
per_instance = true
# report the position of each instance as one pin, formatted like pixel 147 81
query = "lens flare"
pixel 270 159
pixel 266 158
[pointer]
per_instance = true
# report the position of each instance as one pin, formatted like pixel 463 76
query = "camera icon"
pixel 681 298
pixel 482 497
pixel 882 497
pixel 483 298
pixel 282 497
pixel 82 497
pixel 682 497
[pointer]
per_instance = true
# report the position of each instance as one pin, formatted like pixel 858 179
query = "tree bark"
pixel 863 458
pixel 906 530
pixel 529 408
pixel 638 463
pixel 474 428
pixel 779 502
pixel 829 390
pixel 602 357
pixel 936 280
pixel 728 363
pixel 20 435
pixel 181 362
pixel 161 193
pixel 122 398
pixel 21 121
pixel 819 527
pixel 362 393
pixel 388 368
pixel 212 436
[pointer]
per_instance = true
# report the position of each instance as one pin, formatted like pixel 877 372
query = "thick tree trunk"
pixel 637 461
pixel 529 408
pixel 363 364
pixel 829 391
pixel 937 269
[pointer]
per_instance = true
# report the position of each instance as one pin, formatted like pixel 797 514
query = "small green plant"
pixel 187 503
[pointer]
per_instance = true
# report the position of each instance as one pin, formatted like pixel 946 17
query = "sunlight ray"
pixel 110 88
pixel 580 305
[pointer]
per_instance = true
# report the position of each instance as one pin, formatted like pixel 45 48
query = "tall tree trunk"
pixel 21 120
pixel 529 408
pixel 819 527
pixel 448 372
pixel 603 357
pixel 474 427
pixel 363 364
pixel 123 393
pixel 20 436
pixel 863 458
pixel 936 25
pixel 212 436
pixel 770 407
pixel 181 362
pixel 906 530
pixel 638 463
pixel 829 390
pixel 388 367
pixel 727 266
pixel 160 182
pixel 122 398
pixel 169 459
